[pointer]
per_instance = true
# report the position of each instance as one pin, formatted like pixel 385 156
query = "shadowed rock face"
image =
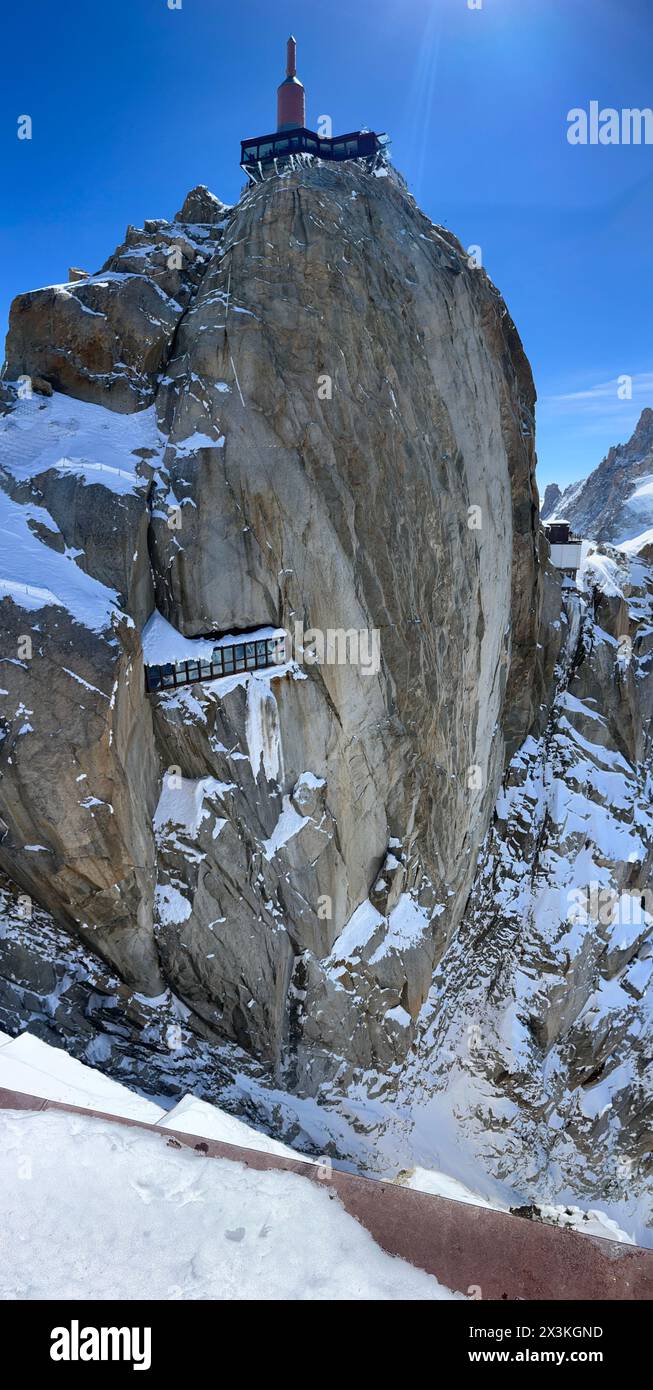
pixel 343 440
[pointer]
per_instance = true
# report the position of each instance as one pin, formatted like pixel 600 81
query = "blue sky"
pixel 133 103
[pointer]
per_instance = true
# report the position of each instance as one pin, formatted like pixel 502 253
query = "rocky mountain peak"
pixel 201 206
pixel 550 501
pixel 642 437
pixel 260 416
pixel 615 503
pixel 308 417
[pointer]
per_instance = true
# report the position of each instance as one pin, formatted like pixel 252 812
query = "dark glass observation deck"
pixel 225 660
pixel 259 155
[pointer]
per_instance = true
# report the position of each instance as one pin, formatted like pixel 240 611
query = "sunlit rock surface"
pixel 307 411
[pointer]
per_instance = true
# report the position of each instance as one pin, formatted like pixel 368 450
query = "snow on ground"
pixel 93 1210
pixel 600 571
pixel 288 825
pixel 408 923
pixel 637 543
pixel 172 907
pixel 197 441
pixel 356 933
pixel 637 511
pixel 163 643
pixel 642 496
pixel 590 1223
pixel 182 802
pixel 193 1116
pixel 441 1185
pixel 33 1067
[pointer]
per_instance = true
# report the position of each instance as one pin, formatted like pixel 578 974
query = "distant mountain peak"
pixel 552 495
pixel 615 503
pixel 643 432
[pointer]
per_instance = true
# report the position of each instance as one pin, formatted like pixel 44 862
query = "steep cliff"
pixel 539 1054
pixel 531 1074
pixel 305 412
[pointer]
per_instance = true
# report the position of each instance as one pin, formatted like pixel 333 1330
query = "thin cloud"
pixel 603 397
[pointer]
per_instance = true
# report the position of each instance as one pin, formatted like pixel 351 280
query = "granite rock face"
pixel 106 338
pixel 306 412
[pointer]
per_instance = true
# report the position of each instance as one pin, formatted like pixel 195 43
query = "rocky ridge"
pixel 615 504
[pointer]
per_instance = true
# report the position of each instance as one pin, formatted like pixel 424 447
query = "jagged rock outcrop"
pixel 307 410
pixel 106 338
pixel 615 503
pixel 552 495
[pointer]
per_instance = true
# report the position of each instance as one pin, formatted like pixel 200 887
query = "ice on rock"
pixel 263 730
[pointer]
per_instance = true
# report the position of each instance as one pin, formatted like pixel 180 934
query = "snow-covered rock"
pixel 193 1116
